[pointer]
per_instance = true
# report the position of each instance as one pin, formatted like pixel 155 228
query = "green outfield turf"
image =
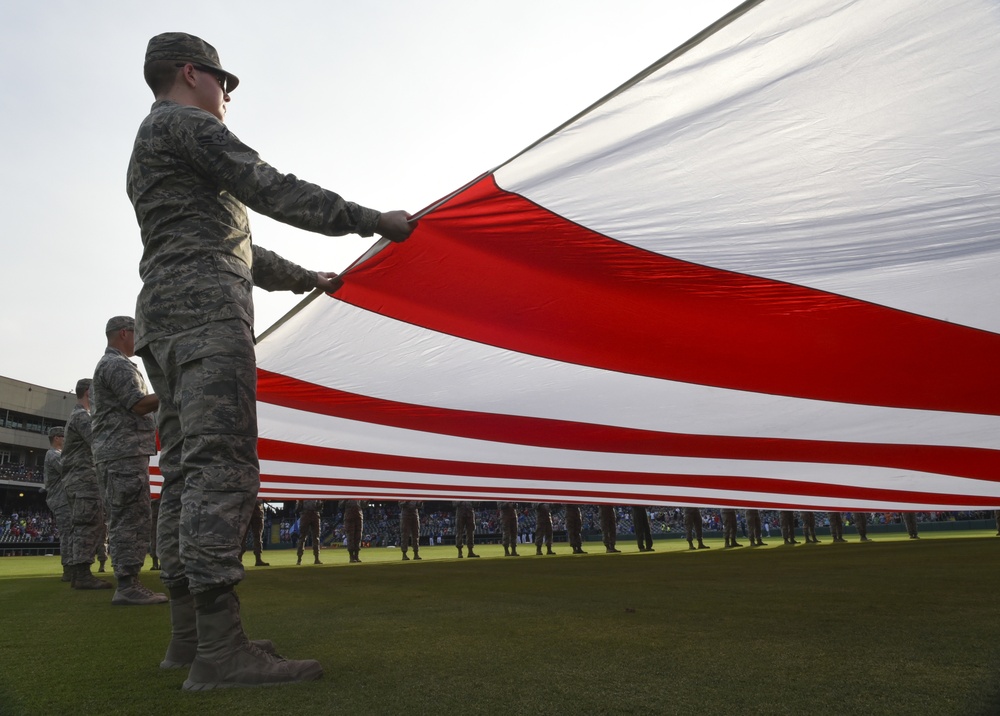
pixel 889 627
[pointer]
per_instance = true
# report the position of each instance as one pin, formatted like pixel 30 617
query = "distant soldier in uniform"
pixel 643 530
pixel 508 525
pixel 82 491
pixel 754 528
pixel 787 521
pixel 693 527
pixel 55 497
pixel 124 432
pixel 836 526
pixel 354 523
pixel 255 531
pixel 609 527
pixel 861 524
pixel 910 521
pixel 543 527
pixel 465 527
pixel 729 529
pixel 309 527
pixel 190 180
pixel 409 528
pixel 574 528
pixel 809 526
pixel 154 515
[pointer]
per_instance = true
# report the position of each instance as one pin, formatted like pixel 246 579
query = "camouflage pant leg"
pixel 609 528
pixel 309 527
pixel 126 496
pixel 59 506
pixel 352 529
pixel 465 529
pixel 510 533
pixel 409 531
pixel 87 516
pixel 154 513
pixel 573 532
pixel 753 525
pixel 206 379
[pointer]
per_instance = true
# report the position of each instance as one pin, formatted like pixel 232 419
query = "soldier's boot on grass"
pixel 405 558
pixel 460 553
pixel 259 562
pixel 691 544
pixel 472 554
pixel 702 545
pixel 155 566
pixel 83 579
pixel 101 565
pixel 67 575
pixel 132 592
pixel 183 644
pixel 549 550
pixel 416 554
pixel 513 552
pixel 538 550
pixel 226 658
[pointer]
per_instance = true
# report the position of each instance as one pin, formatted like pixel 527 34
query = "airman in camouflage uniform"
pixel 643 531
pixel 190 181
pixel 508 527
pixel 465 527
pixel 693 527
pixel 309 526
pixel 836 526
pixel 543 527
pixel 574 528
pixel 861 524
pixel 609 527
pixel 154 515
pixel 354 525
pixel 55 497
pixel 786 518
pixel 809 526
pixel 124 437
pixel 82 491
pixel 910 522
pixel 729 529
pixel 255 530
pixel 409 528
pixel 754 528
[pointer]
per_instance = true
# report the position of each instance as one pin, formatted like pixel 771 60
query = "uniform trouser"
pixel 309 527
pixel 353 527
pixel 609 526
pixel 509 525
pixel 154 516
pixel 861 523
pixel 808 525
pixel 59 506
pixel 787 521
pixel 465 528
pixel 255 530
pixel 753 525
pixel 643 531
pixel 836 525
pixel 692 526
pixel 543 534
pixel 86 517
pixel 125 488
pixel 910 521
pixel 574 528
pixel 729 526
pixel 206 381
pixel 409 533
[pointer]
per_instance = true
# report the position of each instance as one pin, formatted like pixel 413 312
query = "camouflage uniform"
pixel 190 181
pixel 836 526
pixel 255 531
pixel 693 527
pixel 861 524
pixel 309 526
pixel 55 498
pixel 809 527
pixel 543 527
pixel 465 526
pixel 574 528
pixel 609 527
pixel 754 527
pixel 123 442
pixel 729 528
pixel 643 531
pixel 910 521
pixel 354 525
pixel 409 528
pixel 508 525
pixel 786 519
pixel 82 491
pixel 154 515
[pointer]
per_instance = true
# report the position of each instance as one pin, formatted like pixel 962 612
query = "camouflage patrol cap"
pixel 117 323
pixel 183 47
pixel 57 432
pixel 83 385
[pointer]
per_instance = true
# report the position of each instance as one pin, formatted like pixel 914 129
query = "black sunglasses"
pixel 220 77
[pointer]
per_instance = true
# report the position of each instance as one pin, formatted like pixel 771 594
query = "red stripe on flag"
pixel 492 267
pixel 976 463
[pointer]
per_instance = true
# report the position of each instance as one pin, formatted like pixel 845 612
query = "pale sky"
pixel 391 104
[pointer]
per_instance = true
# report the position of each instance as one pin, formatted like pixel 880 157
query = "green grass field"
pixel 892 626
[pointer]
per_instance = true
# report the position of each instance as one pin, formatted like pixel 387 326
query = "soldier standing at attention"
pixel 809 527
pixel 255 530
pixel 190 182
pixel 124 437
pixel 643 531
pixel 729 529
pixel 574 528
pixel 55 497
pixel 354 523
pixel 693 527
pixel 910 521
pixel 154 514
pixel 309 526
pixel 543 527
pixel 508 525
pixel 82 491
pixel 836 526
pixel 754 528
pixel 465 526
pixel 409 528
pixel 609 528
pixel 861 524
pixel 787 521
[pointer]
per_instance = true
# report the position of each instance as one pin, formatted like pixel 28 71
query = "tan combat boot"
pixel 83 579
pixel 226 658
pixel 184 634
